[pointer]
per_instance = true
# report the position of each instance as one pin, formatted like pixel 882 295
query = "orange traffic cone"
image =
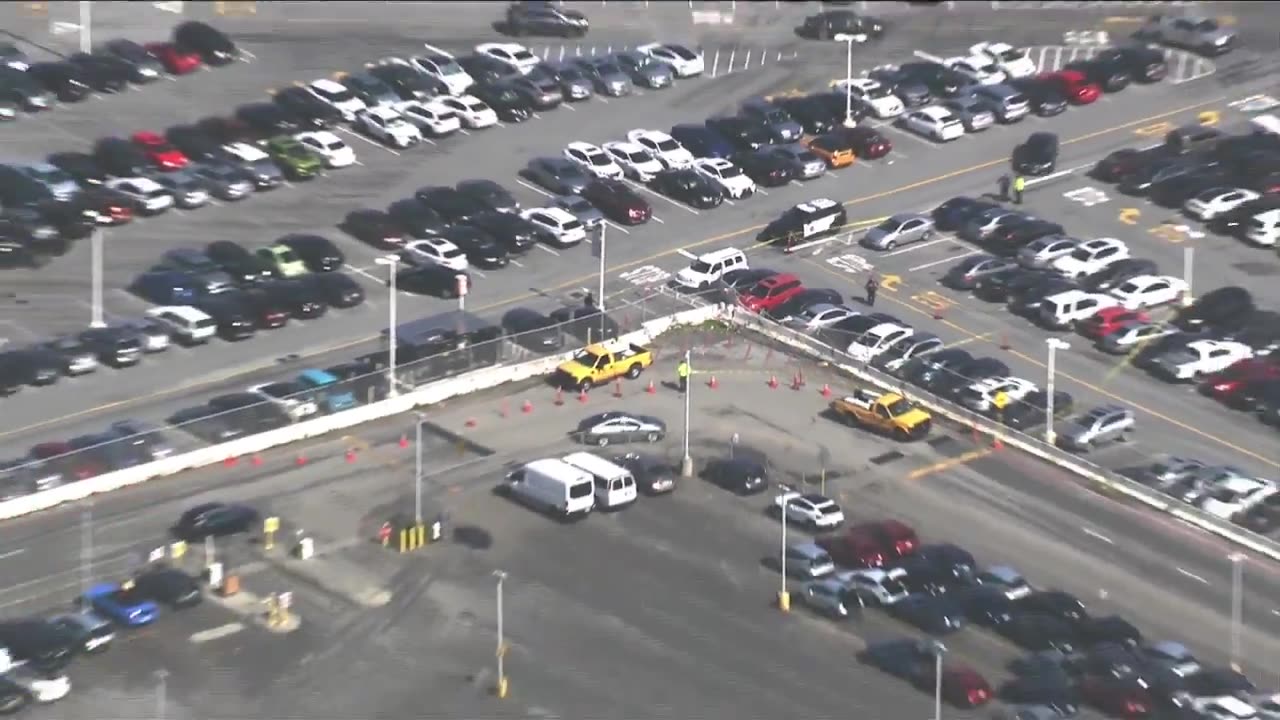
pixel 826 390
pixel 527 407
pixel 471 422
pixel 713 383
pixel 773 382
pixel 351 455
pixel 404 441
pixel 617 389
pixel 231 461
pixel 651 389
pixel 300 459
pixel 559 397
pixel 582 396
pixel 257 459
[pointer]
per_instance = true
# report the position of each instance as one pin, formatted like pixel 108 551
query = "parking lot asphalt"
pixel 673 594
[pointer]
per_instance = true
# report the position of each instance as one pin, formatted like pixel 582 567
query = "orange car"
pixel 833 149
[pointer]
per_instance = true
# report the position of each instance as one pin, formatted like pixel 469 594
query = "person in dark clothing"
pixel 589 300
pixel 1004 187
pixel 872 287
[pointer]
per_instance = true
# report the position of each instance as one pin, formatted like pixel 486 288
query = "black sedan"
pixel 144 66
pixel 510 105
pixel 737 475
pixel 269 119
pixel 336 289
pixel 956 212
pixel 215 520
pixel 479 247
pixel 81 166
pixel 934 614
pixel 318 253
pixel 816 113
pixel 415 219
pixel 300 103
pixel 435 280
pixel 1039 631
pixel 985 605
pixel 450 203
pixel 104 73
pixel 295 295
pixel 63 79
pixel 375 228
pixel 513 232
pixel 533 330
pixel 211 44
pixel 1055 603
pixel 742 133
pixel 688 186
pixel 243 266
pixel 195 143
pixel 765 168
pixel 997 287
pixel 489 193
pixel 168 586
pixel 1032 410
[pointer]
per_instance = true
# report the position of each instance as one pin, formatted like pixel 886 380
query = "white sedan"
pixel 1014 62
pixel 291 397
pixel 1213 202
pixel 435 251
pixel 593 160
pixel 636 161
pixel 809 509
pixel 1149 290
pixel 664 147
pixel 387 125
pixel 513 55
pixel 336 153
pixel 431 117
pixel 1090 257
pixel 1201 357
pixel 979 68
pixel 727 175
pixel 682 61
pixel 981 396
pixel 875 95
pixel 562 225
pixel 934 122
pixel 816 317
pixel 444 68
pixel 473 112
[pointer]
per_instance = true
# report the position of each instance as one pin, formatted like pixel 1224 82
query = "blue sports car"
pixel 122 604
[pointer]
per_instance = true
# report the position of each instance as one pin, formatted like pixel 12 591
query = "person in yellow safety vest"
pixel 1019 185
pixel 682 372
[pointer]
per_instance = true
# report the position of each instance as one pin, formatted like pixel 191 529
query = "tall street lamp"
pixel 1237 601
pixel 784 597
pixel 1055 345
pixel 938 651
pixel 501 652
pixel 849 40
pixel 417 469
pixel 391 262
pixel 95 278
pixel 686 464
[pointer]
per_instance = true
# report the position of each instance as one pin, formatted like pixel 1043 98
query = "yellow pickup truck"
pixel 598 364
pixel 888 413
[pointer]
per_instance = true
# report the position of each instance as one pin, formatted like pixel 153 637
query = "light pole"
pixel 502 643
pixel 95 276
pixel 86 548
pixel 86 23
pixel 417 470
pixel 784 597
pixel 600 282
pixel 1188 261
pixel 938 651
pixel 849 40
pixel 391 261
pixel 686 464
pixel 161 693
pixel 1237 580
pixel 1055 345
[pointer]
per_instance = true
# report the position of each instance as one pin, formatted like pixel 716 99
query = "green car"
pixel 294 158
pixel 284 262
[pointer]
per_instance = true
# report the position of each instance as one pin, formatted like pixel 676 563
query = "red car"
pixel 1108 320
pixel 1074 86
pixel 175 60
pixel 159 151
pixel 854 548
pixel 1224 386
pixel 1115 697
pixel 65 459
pixel 896 538
pixel 618 201
pixel 771 292
pixel 962 686
pixel 866 142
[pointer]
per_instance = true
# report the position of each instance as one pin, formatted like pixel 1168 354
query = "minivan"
pixel 807 560
pixel 555 486
pixel 614 484
pixel 1191 139
pixel 708 268
pixel 1006 102
pixel 1065 309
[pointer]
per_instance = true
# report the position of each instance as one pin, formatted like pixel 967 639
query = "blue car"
pixel 702 142
pixel 166 287
pixel 324 386
pixel 122 604
pixel 936 615
pixel 783 127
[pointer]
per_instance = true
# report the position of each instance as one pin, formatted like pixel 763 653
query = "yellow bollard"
pixel 177 550
pixel 784 601
pixel 502 687
pixel 421 533
pixel 404 541
pixel 269 527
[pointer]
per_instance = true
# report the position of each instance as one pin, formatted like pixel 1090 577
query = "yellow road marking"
pixel 578 281
pixel 1129 216
pixel 948 463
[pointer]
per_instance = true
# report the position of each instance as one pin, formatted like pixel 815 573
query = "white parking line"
pixel 659 220
pixel 917 246
pixel 656 194
pixel 567 106
pixel 473 270
pixel 534 188
pixel 537 116
pixel 216 633
pixel 1098 535
pixel 550 250
pixel 246 52
pixel 517 263
pixel 360 136
pixel 603 99
pixel 366 273
pixel 616 226
pixel 762 191
pixel 729 202
pixel 1193 576
pixel 463 131
pixel 943 260
pixel 12 553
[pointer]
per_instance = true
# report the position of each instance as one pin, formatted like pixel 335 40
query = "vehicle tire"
pixel 634 371
pixel 653 437
pixel 901 435
pixel 584 386
pixel 891 245
pixel 602 441
pixel 928 235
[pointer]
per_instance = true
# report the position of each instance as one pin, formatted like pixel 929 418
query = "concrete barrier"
pixel 430 394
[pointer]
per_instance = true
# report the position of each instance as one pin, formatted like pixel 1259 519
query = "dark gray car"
pixel 189 191
pixel 644 70
pixel 608 78
pixel 558 175
pixel 224 180
pixel 973 111
pixel 964 275
pixel 573 82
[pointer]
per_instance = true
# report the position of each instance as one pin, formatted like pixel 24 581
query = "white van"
pixel 190 326
pixel 1263 229
pixel 876 340
pixel 708 268
pixel 554 486
pixel 1068 308
pixel 615 486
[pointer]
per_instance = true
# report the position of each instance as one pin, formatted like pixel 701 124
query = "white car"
pixel 473 111
pixel 1225 707
pixel 979 68
pixel 244 152
pixel 1213 202
pixel 338 96
pixel 682 61
pixel 593 160
pixel 809 509
pixel 1236 495
pixel 1041 252
pixel 1013 61
pixel 1201 357
pixel 42 687
pixel 1149 290
pixel 388 126
pixel 432 118
pixel 727 175
pixel 336 153
pixel 289 396
pixel 563 225
pixel 1268 706
pixel 876 340
pixel 980 396
pixel 885 586
pixel 513 55
pixel 636 161
pixel 149 196
pixel 875 95
pixel 816 317
pixel 1090 257
pixel 664 147
pixel 444 68
pixel 934 122
pixel 186 324
pixel 435 251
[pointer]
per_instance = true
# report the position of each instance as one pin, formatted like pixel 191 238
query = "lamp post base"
pixel 784 601
pixel 850 122
pixel 686 467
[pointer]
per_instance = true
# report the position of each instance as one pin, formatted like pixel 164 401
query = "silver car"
pixel 1198 33
pixel 1206 479
pixel 188 189
pixel 1041 253
pixel 605 75
pixel 144 436
pixel 1109 423
pixel 899 230
pixel 830 597
pixel 589 215
pixel 574 83
pixel 974 112
pixel 558 175
pixel 806 165
pixel 55 180
pixel 1132 335
pixel 224 180
pixel 820 316
pixel 1170 473
pixel 644 70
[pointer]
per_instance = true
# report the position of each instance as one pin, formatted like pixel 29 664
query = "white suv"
pixel 561 224
pixel 337 96
pixel 708 268
pixel 727 175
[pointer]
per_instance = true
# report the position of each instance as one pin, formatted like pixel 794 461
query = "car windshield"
pixel 336 96
pixel 700 267
pixel 523 56
pixel 572 225
pixel 1010 55
pixel 127 598
pixel 598 159
pixel 878 91
pixel 1206 26
pixel 608 69
pixel 447 66
pixel 587 358
pixel 899 407
pixel 50 175
pixel 334 145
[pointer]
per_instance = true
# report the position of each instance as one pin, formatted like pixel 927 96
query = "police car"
pixel 805 221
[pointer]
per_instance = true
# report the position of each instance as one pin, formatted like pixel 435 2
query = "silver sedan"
pixel 830 597
pixel 899 230
pixel 807 166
